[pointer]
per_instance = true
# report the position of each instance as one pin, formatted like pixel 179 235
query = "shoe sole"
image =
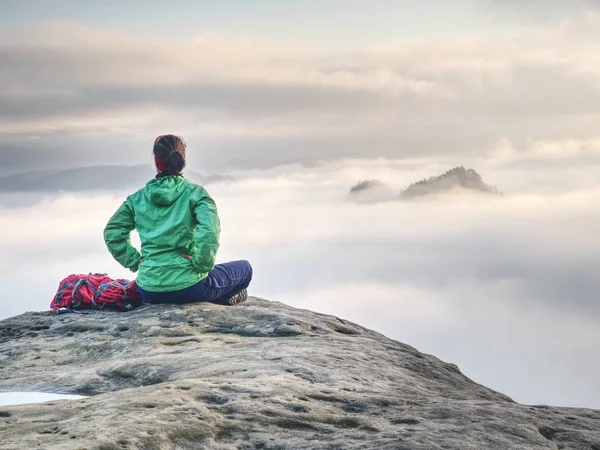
pixel 240 297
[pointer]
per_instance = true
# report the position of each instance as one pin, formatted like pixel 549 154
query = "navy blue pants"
pixel 224 281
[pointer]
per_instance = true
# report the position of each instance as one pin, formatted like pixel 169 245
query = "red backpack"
pixel 96 291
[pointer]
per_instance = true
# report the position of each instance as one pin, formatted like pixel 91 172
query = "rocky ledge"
pixel 257 375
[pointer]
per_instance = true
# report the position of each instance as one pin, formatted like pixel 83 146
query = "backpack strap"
pixel 62 290
pixel 104 287
pixel 69 310
pixel 97 295
pixel 76 303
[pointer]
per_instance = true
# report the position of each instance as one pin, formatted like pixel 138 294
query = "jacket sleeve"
pixel 118 240
pixel 206 235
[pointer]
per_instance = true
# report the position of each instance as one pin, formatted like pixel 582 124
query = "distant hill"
pixel 371 191
pixel 91 178
pixel 365 185
pixel 457 178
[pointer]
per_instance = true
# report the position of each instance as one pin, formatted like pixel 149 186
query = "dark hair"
pixel 171 150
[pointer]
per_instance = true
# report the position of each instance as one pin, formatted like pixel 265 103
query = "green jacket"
pixel 173 217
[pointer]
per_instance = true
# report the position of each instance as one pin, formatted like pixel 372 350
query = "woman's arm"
pixel 206 235
pixel 118 240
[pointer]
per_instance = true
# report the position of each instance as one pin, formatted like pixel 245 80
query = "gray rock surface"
pixel 257 375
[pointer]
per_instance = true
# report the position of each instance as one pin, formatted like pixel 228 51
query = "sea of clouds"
pixel 505 287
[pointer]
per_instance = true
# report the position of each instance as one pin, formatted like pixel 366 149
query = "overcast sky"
pixel 299 100
pixel 255 84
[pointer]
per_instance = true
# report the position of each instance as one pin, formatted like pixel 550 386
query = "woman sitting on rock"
pixel 179 229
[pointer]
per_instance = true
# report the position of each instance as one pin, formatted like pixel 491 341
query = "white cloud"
pixel 504 151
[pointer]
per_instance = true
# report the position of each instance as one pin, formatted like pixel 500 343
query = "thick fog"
pixel 506 287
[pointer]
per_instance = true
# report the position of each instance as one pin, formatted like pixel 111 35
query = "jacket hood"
pixel 165 191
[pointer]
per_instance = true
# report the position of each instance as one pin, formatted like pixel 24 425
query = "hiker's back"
pixel 166 217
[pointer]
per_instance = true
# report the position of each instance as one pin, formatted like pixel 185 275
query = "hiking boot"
pixel 240 297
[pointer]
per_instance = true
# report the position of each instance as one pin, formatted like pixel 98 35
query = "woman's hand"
pixel 188 257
